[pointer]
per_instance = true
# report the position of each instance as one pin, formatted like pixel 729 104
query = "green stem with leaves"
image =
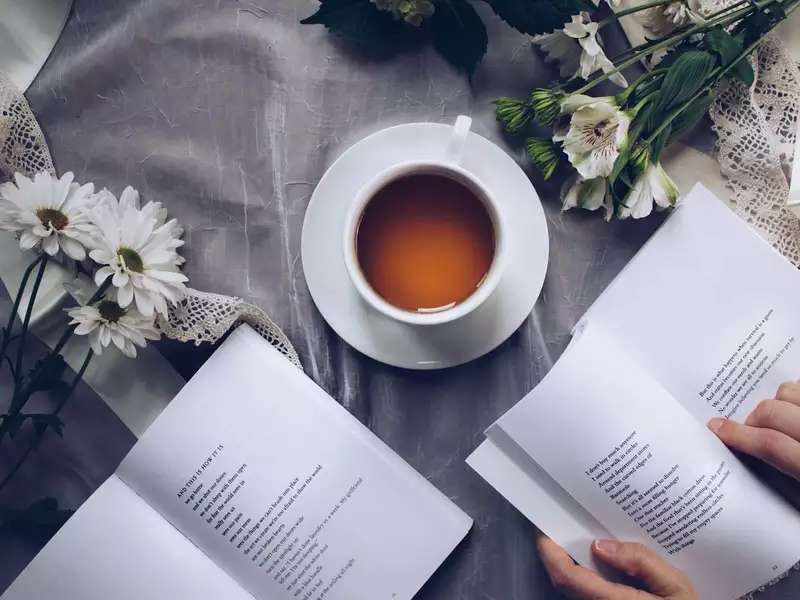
pixel 38 437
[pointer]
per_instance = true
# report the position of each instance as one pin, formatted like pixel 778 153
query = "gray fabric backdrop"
pixel 229 113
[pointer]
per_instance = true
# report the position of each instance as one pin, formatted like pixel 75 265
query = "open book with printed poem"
pixel 253 483
pixel 612 443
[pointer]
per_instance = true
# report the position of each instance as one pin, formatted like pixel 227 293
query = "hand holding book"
pixel 770 433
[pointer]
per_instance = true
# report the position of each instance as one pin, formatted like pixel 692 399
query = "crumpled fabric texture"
pixel 200 316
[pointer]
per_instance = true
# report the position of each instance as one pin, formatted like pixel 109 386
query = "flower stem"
pixel 28 312
pixel 17 301
pixel 37 440
pixel 74 384
pixel 664 44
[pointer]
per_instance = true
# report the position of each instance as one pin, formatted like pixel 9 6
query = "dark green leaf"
pixel 43 422
pixel 683 80
pixel 46 374
pixel 538 16
pixel 689 117
pixel 12 424
pixel 459 34
pixel 744 71
pixel 724 45
pixel 359 22
pixel 729 49
pixel 660 142
pixel 42 517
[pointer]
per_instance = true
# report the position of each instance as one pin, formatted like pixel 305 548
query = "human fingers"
pixel 778 415
pixel 789 392
pixel 579 582
pixel 638 561
pixel 773 447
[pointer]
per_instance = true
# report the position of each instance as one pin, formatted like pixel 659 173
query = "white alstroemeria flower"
pixel 663 20
pixel 561 49
pixel 587 194
pixel 597 131
pixel 48 213
pixel 106 322
pixel 138 249
pixel 592 58
pixel 653 185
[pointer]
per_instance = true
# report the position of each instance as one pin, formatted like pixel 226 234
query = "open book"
pixel 253 483
pixel 703 322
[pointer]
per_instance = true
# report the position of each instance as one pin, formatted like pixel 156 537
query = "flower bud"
pixel 512 113
pixel 546 104
pixel 544 154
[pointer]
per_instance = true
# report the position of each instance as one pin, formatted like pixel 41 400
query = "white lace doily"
pixel 200 316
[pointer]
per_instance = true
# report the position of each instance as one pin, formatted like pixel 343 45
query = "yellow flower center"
pixel 52 218
pixel 130 259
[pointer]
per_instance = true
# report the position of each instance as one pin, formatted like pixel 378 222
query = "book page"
pixel 507 468
pixel 648 471
pixel 709 309
pixel 285 490
pixel 116 546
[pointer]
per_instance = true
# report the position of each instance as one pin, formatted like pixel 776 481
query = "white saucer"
pixel 414 346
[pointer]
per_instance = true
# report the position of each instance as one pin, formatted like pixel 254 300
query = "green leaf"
pixel 729 48
pixel 538 16
pixel 660 142
pixel 724 45
pixel 13 423
pixel 683 80
pixel 744 71
pixel 459 34
pixel 359 22
pixel 689 117
pixel 43 422
pixel 42 517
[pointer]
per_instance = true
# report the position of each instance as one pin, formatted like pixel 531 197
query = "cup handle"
pixel 458 139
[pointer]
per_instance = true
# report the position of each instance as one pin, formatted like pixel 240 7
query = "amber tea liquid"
pixel 425 242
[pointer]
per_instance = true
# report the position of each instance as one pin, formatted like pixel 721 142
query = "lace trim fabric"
pixel 755 130
pixel 200 316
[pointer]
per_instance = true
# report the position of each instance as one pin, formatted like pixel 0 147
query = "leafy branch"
pixel 455 27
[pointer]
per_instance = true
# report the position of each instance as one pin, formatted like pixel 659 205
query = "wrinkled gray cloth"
pixel 229 113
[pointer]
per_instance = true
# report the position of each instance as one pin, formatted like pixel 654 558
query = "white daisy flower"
pixel 653 185
pixel 596 133
pixel 138 250
pixel 48 213
pixel 587 194
pixel 106 322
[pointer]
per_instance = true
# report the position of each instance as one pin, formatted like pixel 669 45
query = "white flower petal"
pixel 72 248
pixel 125 295
pixel 28 240
pixel 50 244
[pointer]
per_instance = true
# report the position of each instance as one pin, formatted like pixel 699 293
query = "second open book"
pixel 703 322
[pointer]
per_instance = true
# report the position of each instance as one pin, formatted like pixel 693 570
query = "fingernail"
pixel 715 424
pixel 607 547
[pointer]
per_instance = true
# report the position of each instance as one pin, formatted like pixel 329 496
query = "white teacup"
pixel 448 167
